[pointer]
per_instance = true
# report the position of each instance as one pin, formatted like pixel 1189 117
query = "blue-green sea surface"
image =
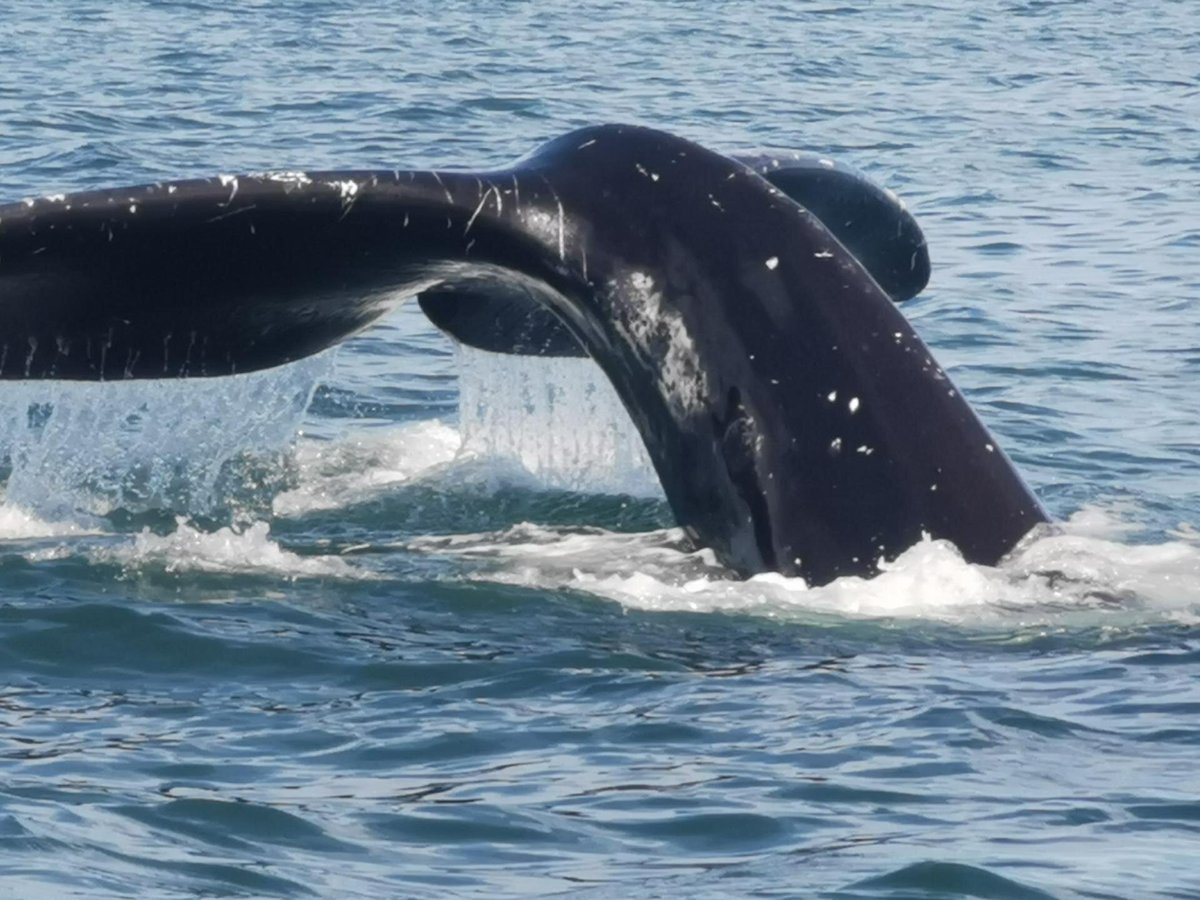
pixel 414 622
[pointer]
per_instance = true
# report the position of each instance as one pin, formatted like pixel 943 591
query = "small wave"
pixel 225 551
pixel 952 879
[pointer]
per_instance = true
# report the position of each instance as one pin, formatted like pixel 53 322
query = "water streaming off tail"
pixel 187 445
pixel 200 445
pixel 560 419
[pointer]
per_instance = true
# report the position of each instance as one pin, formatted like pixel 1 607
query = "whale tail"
pixel 795 420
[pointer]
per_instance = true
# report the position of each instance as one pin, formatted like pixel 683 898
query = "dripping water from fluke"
pixel 74 451
pixel 559 419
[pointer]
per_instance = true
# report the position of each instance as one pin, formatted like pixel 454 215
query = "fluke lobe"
pixel 796 421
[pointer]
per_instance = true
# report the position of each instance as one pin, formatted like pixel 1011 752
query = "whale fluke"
pixel 795 419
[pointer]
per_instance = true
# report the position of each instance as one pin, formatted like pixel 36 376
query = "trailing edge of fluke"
pixel 742 309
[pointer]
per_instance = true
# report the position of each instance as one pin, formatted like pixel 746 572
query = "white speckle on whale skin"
pixel 832 397
pixel 586 144
pixel 773 263
pixel 132 208
pixel 229 181
pixel 562 247
pixel 823 254
pixel 989 448
pixel 853 405
pixel 835 446
pixel 347 189
pixel 865 450
pixel 294 178
pixel 827 163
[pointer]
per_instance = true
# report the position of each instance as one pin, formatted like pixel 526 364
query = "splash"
pixel 17 524
pixel 80 450
pixel 559 418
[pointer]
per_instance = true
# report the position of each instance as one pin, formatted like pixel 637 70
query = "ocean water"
pixel 409 622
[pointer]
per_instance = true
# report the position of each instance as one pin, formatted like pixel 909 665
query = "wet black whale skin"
pixel 795 419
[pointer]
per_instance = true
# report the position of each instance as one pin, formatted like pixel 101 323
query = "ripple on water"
pixel 945 878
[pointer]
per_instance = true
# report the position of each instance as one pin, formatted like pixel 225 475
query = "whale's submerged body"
pixel 796 421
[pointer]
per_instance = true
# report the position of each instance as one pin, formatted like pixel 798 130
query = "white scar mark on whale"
pixel 562 248
pixel 482 203
pixel 442 185
pixel 661 339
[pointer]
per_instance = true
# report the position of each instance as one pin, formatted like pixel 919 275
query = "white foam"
pixel 226 551
pixel 1054 577
pixel 18 524
pixel 1162 575
pixel 542 556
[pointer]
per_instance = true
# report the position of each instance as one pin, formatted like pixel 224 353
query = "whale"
pixel 796 421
